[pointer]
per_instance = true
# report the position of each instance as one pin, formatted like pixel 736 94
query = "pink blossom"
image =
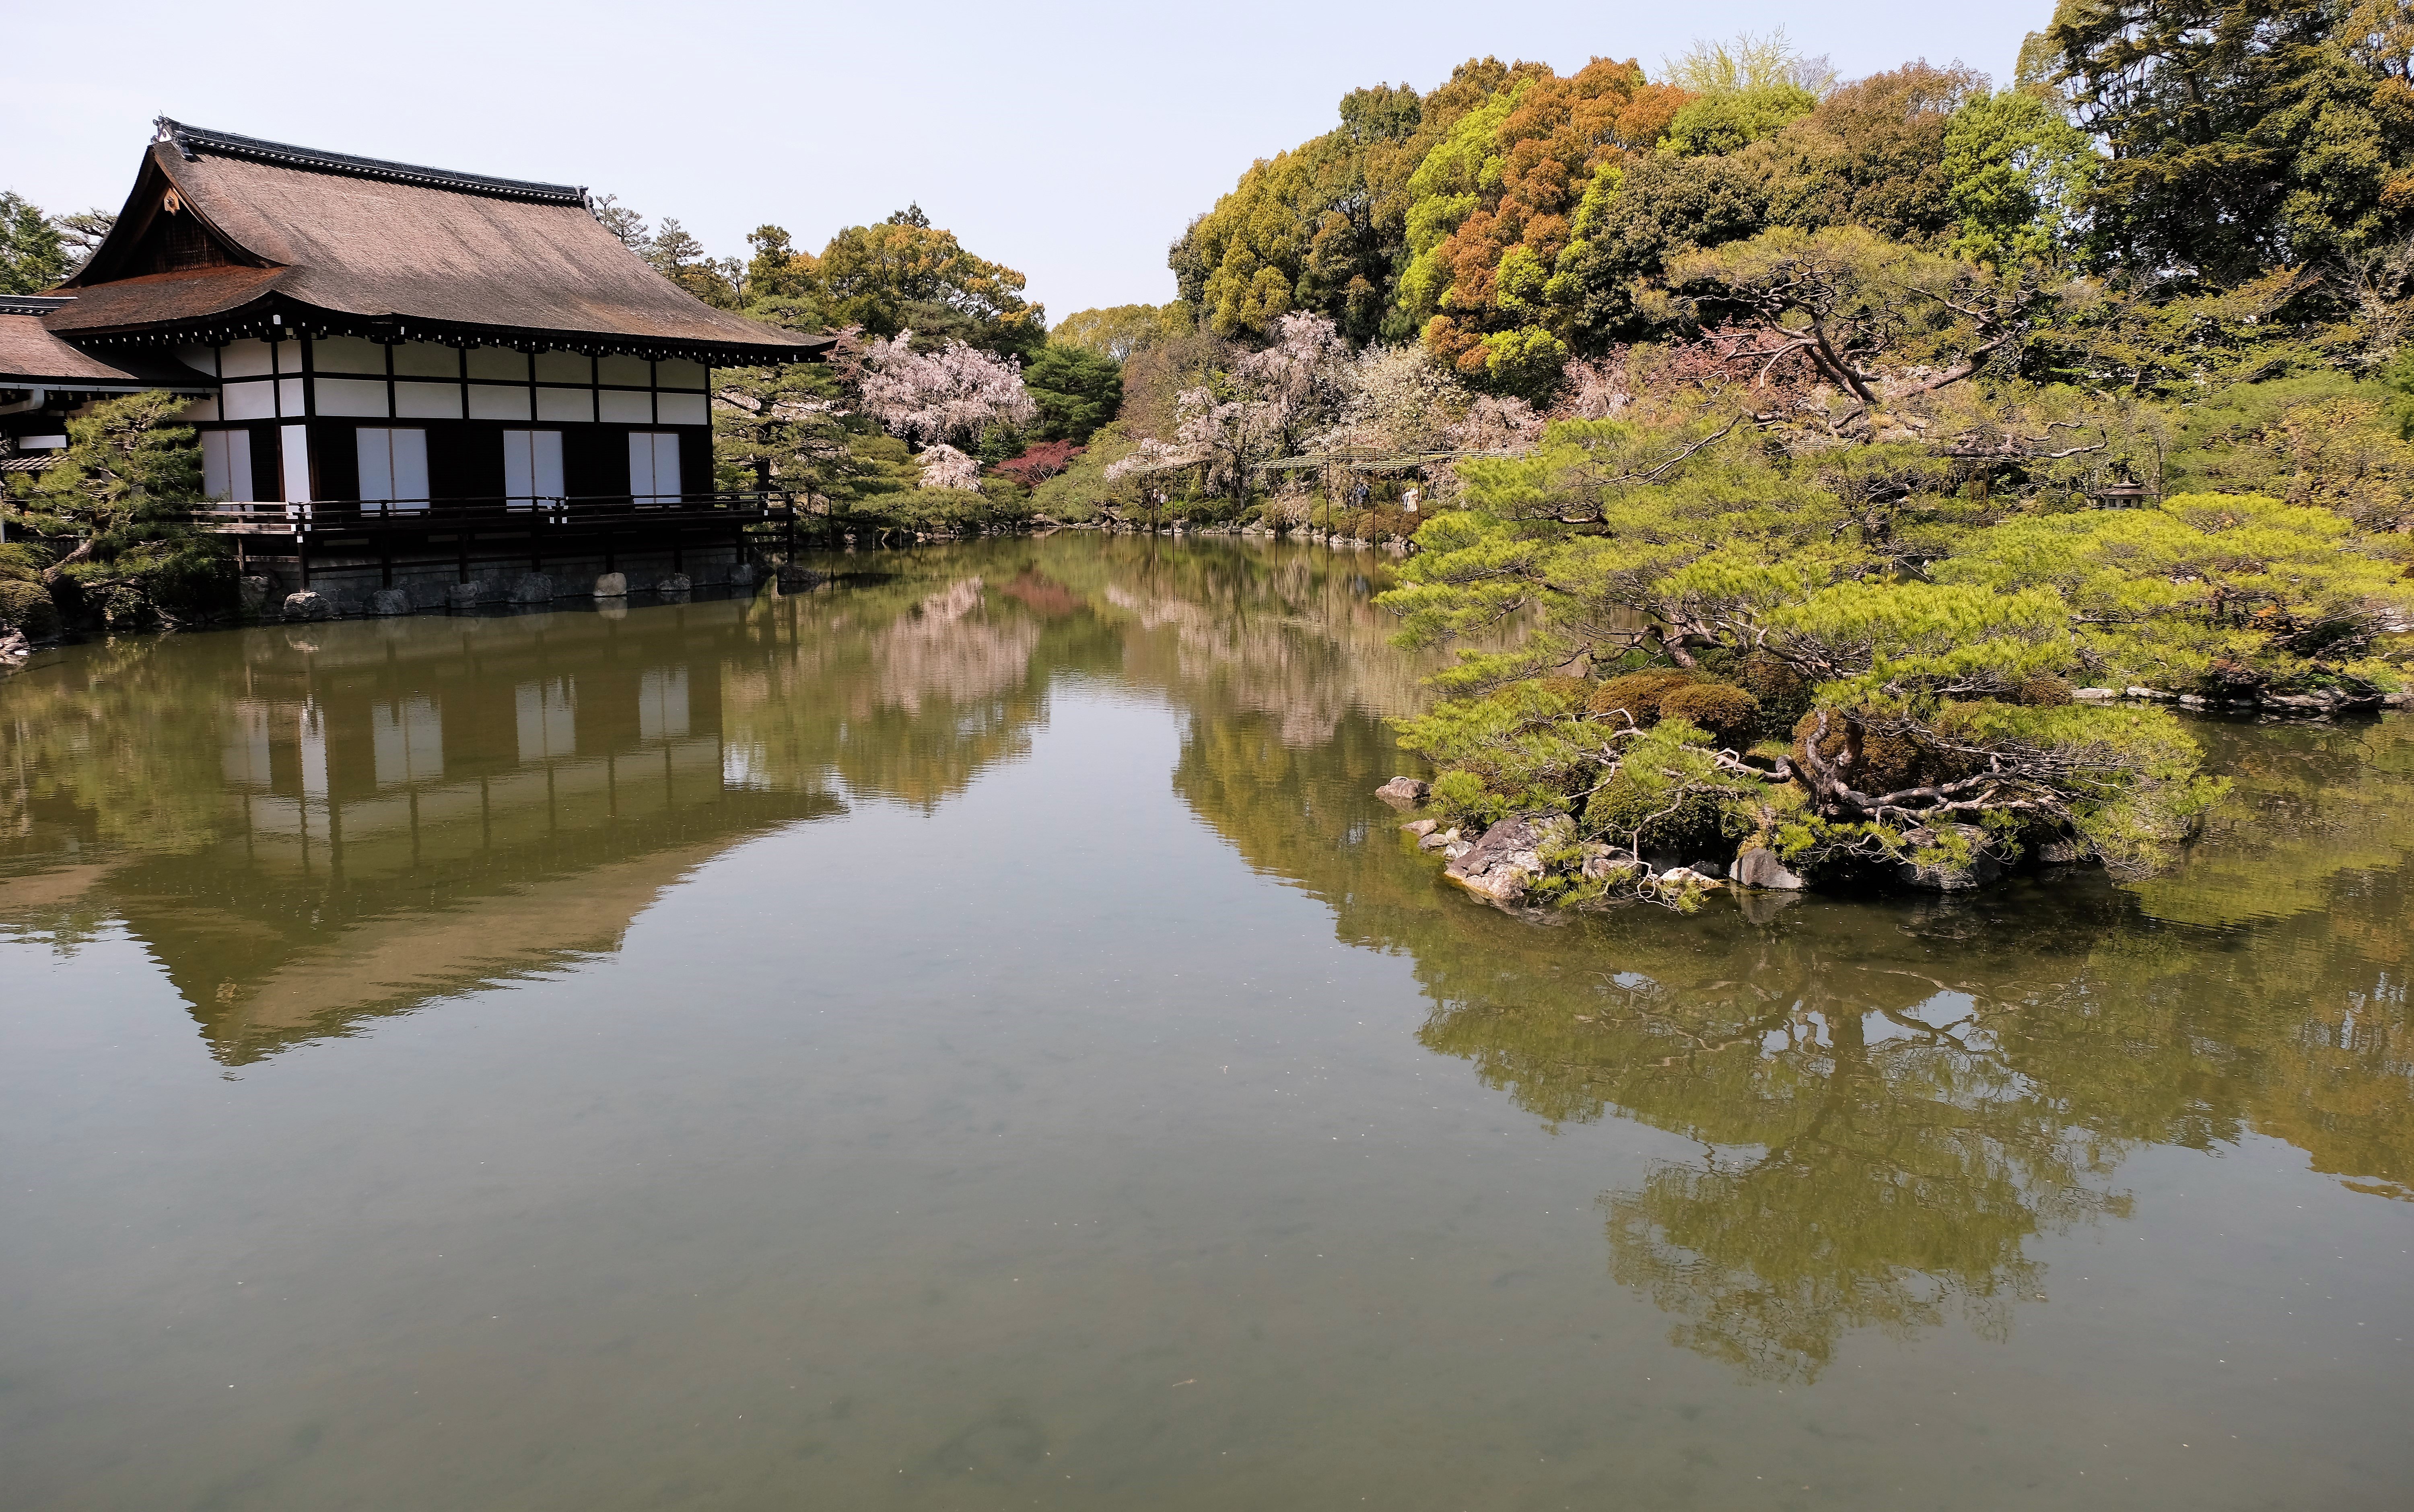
pixel 955 394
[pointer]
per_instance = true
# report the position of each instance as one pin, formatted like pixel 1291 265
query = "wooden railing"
pixel 352 517
pixel 468 531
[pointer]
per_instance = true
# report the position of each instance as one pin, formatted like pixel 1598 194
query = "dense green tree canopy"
pixel 1517 218
pixel 2019 175
pixel 1077 391
pixel 1514 218
pixel 2241 136
pixel 1123 330
pixel 33 255
pixel 905 274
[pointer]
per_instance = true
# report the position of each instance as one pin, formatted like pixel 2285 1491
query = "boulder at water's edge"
pixel 1759 868
pixel 1507 860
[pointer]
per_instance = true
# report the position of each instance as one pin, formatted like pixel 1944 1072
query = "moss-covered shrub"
pixel 1568 693
pixel 1728 713
pixel 1637 695
pixel 28 607
pixel 1665 798
pixel 1784 695
pixel 2044 690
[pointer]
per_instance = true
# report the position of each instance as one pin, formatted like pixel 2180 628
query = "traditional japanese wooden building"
pixel 408 377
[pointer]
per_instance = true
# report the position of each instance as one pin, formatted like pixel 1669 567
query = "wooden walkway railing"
pixel 609 523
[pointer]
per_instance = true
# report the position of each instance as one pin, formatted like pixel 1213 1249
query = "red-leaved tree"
pixel 1040 462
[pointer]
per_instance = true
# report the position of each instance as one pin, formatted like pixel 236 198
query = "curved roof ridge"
pixel 192 141
pixel 357 241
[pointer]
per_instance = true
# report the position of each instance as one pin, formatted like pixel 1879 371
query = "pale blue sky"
pixel 1072 142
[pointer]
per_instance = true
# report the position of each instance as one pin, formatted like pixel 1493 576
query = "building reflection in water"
pixel 1894 1101
pixel 395 812
pixel 306 827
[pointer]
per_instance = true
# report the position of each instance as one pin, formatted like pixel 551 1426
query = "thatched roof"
pixel 32 357
pixel 222 231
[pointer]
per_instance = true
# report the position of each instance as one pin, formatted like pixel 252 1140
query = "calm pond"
pixel 968 1037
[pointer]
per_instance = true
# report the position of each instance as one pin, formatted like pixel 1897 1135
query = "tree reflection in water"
pixel 307 826
pixel 1895 1098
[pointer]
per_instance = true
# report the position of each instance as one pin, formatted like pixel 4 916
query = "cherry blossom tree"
pixel 944 467
pixel 1152 456
pixel 956 395
pixel 1594 390
pixel 1495 425
pixel 1297 383
pixel 1396 401
pixel 1267 406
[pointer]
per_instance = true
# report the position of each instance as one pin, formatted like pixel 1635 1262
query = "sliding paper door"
pixel 654 466
pixel 394 465
pixel 225 465
pixel 293 455
pixel 532 466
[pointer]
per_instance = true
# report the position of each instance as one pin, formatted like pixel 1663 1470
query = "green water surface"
pixel 968 1037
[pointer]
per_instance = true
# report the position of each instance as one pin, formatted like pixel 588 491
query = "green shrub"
pixel 1785 694
pixel 28 607
pixel 1083 492
pixel 1638 694
pixel 1381 523
pixel 22 560
pixel 2044 690
pixel 1728 713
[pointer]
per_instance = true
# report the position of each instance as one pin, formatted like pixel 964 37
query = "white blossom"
pixel 944 467
pixel 1151 455
pixel 1396 401
pixel 1497 425
pixel 1300 377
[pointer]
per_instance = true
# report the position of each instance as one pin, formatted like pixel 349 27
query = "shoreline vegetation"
pixel 1842 480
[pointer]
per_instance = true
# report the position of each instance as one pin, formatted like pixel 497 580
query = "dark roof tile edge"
pixel 190 141
pixel 34 304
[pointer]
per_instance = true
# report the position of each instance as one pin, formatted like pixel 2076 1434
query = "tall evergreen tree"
pixel 2243 134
